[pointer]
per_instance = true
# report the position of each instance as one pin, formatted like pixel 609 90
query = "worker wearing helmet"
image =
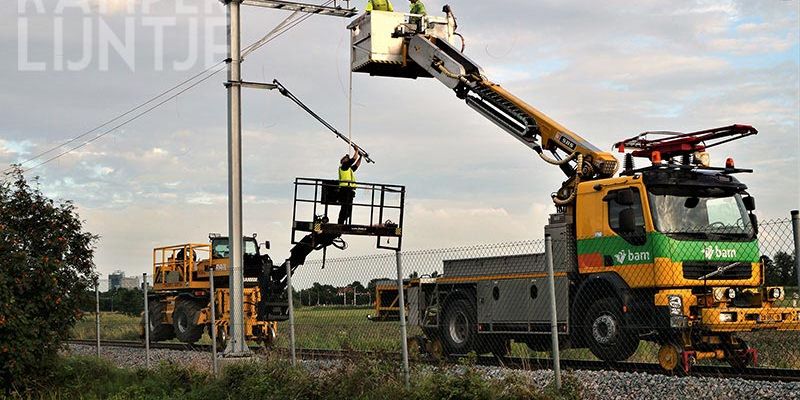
pixel 417 8
pixel 379 5
pixel 347 184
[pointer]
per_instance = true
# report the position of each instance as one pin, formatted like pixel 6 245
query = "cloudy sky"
pixel 606 70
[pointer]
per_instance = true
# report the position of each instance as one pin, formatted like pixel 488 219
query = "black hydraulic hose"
pixel 282 89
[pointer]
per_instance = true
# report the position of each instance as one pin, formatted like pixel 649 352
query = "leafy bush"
pixel 46 266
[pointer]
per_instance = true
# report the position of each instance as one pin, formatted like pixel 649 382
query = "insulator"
pixel 629 163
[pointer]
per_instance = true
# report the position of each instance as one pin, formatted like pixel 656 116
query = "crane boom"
pixel 579 159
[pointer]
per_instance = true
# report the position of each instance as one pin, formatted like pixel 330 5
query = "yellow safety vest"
pixel 347 178
pixel 379 5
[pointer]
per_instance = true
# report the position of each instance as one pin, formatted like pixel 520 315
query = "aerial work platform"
pixel 378 210
pixel 379 47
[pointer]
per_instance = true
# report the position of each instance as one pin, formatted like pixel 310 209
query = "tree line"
pixel 780 270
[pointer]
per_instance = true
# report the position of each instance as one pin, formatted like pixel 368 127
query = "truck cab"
pixel 254 261
pixel 672 250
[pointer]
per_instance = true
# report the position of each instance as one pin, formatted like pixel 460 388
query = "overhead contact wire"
pixel 137 116
pixel 279 30
pixel 117 118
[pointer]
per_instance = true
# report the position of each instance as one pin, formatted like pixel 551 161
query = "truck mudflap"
pixel 739 319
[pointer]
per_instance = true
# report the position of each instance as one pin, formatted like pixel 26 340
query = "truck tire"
pixel 606 334
pixel 158 331
pixel 459 331
pixel 183 321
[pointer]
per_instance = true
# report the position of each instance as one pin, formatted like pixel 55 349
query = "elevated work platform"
pixel 370 209
pixel 379 46
pixel 377 210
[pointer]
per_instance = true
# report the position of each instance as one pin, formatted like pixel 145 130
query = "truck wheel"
pixel 607 336
pixel 183 321
pixel 158 331
pixel 459 327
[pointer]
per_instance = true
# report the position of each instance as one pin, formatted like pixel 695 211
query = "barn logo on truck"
pixel 717 252
pixel 628 256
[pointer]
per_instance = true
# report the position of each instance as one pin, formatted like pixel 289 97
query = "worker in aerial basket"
pixel 347 184
pixel 379 5
pixel 417 8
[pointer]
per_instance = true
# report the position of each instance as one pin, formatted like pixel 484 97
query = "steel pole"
pixel 551 283
pixel 796 229
pixel 146 323
pixel 236 346
pixel 403 330
pixel 213 306
pixel 97 316
pixel 289 293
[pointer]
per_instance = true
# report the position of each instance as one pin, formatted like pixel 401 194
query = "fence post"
pixel 291 311
pixel 551 282
pixel 97 315
pixel 796 229
pixel 146 323
pixel 214 366
pixel 402 304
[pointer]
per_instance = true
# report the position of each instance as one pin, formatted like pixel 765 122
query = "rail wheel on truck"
pixel 739 355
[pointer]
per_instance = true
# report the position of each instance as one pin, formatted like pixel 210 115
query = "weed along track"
pixel 519 363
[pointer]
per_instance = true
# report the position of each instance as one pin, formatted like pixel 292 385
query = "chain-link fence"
pixel 717 297
pixel 714 296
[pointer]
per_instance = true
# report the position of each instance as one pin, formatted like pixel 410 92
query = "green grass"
pixel 113 326
pixel 342 328
pixel 338 328
pixel 89 378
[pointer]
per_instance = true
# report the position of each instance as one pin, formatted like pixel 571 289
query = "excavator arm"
pixel 576 157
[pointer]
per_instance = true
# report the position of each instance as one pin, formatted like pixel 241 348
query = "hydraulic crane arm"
pixel 577 158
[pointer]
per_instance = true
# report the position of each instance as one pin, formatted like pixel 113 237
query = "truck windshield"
pixel 704 217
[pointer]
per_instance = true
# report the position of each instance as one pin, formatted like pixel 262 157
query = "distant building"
pixel 118 280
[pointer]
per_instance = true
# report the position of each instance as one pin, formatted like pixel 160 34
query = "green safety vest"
pixel 418 8
pixel 347 178
pixel 379 5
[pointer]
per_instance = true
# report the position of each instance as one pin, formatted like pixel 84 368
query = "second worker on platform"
pixel 347 184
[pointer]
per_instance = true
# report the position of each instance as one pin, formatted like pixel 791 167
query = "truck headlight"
pixel 775 293
pixel 727 317
pixel 675 304
pixel 731 293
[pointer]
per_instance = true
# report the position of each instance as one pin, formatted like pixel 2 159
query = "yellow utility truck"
pixel 666 253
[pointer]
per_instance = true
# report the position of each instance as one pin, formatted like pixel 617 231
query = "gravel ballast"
pixel 595 384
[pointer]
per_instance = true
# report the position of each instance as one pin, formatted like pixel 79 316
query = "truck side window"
pixel 637 236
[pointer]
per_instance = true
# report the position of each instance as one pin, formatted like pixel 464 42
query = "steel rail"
pixel 522 363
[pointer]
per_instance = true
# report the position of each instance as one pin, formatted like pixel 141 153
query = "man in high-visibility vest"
pixel 417 8
pixel 347 184
pixel 379 5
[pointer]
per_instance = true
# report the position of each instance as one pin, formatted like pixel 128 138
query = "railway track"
pixel 759 374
